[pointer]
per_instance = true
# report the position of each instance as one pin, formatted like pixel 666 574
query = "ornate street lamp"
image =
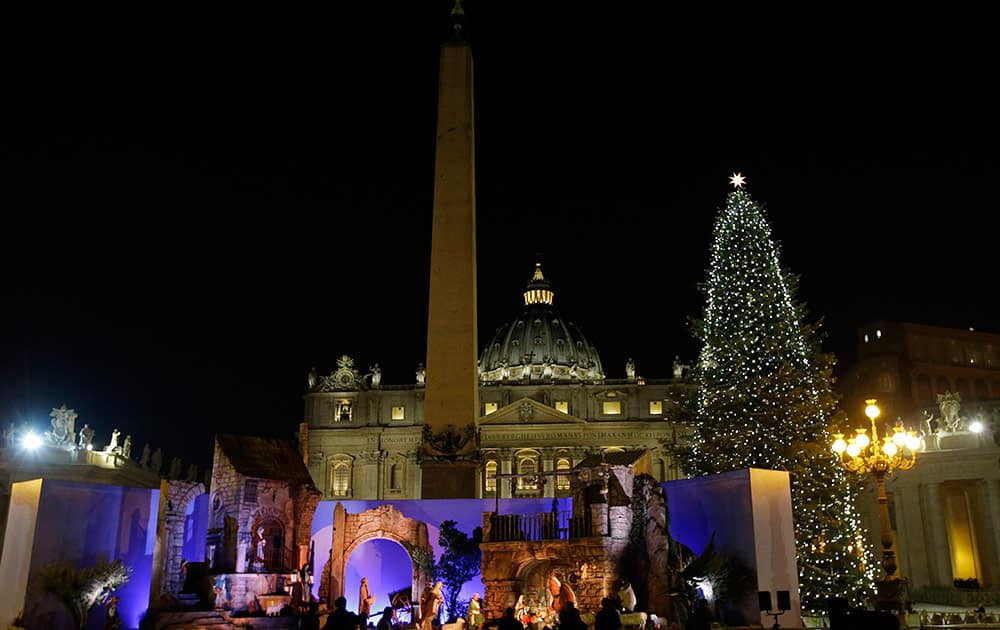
pixel 881 457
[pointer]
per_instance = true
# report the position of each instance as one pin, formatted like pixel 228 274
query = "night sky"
pixel 201 203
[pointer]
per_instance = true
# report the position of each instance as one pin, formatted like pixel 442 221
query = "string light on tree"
pixel 765 400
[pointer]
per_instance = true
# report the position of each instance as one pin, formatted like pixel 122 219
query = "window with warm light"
pixel 562 481
pixel 399 412
pixel 527 466
pixel 489 408
pixel 562 405
pixel 612 407
pixel 341 479
pixel 343 411
pixel 656 407
pixel 961 535
pixel 490 482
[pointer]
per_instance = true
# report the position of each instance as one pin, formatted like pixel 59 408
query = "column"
pixel 503 483
pixel 913 549
pixel 993 500
pixel 936 536
pixel 547 464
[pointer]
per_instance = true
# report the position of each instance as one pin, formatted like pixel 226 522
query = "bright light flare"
pixel 976 427
pixel 31 441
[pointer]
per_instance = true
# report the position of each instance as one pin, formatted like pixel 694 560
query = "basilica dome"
pixel 539 346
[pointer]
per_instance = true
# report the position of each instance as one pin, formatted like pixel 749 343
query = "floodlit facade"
pixel 945 511
pixel 546 403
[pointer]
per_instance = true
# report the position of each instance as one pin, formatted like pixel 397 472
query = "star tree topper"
pixel 737 180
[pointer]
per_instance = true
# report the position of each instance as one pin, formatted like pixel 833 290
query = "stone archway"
pixel 179 496
pixel 352 530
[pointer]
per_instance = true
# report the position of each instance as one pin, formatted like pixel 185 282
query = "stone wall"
pixel 590 565
pixel 235 591
pixel 224 502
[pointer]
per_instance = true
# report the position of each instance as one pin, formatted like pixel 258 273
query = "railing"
pixel 540 526
pixel 947 621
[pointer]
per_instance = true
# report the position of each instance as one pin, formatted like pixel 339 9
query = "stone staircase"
pixel 200 620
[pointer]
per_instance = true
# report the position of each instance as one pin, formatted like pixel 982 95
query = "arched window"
pixel 340 475
pixel 562 481
pixel 490 478
pixel 527 465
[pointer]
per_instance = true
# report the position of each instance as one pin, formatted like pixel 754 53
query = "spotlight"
pixel 31 441
pixel 976 427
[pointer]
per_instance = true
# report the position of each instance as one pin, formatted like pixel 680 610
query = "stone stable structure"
pixel 594 552
pixel 259 485
pixel 589 565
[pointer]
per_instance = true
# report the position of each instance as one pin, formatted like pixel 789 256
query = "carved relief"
pixel 450 442
pixel 345 377
pixel 526 411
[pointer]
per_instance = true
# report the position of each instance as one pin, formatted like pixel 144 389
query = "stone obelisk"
pixel 451 403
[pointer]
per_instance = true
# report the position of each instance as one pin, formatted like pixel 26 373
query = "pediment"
pixel 528 411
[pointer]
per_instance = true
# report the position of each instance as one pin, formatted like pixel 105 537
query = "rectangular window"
pixel 343 413
pixel 491 476
pixel 489 408
pixel 656 407
pixel 562 405
pixel 341 479
pixel 250 491
pixel 399 413
pixel 612 408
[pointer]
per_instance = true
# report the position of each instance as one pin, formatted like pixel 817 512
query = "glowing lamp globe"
pixel 890 448
pixel 854 450
pixel 871 409
pixel 862 439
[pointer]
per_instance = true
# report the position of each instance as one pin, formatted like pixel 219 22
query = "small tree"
pixel 80 589
pixel 459 562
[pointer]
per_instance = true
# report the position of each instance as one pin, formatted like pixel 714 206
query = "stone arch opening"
pixel 532 582
pixel 180 495
pixel 389 568
pixel 382 522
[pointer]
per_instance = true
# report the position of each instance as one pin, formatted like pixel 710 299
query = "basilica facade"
pixel 546 403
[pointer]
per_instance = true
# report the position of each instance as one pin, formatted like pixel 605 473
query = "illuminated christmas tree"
pixel 765 400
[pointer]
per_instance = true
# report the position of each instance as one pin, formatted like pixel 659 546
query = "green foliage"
pixel 765 400
pixel 460 561
pixel 729 577
pixel 80 589
pixel 424 559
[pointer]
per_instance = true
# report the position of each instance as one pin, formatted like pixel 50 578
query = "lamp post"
pixel 881 457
